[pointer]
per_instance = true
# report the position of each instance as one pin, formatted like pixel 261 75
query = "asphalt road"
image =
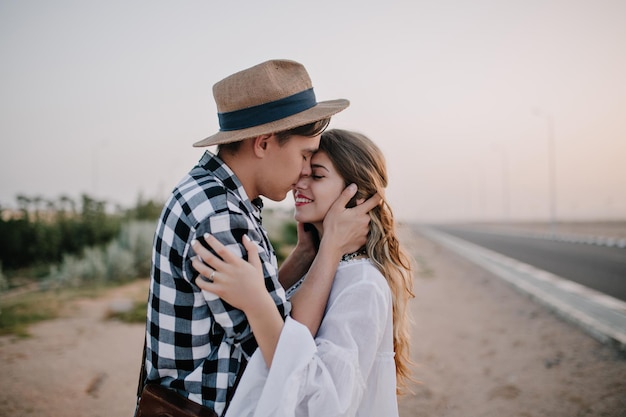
pixel 599 267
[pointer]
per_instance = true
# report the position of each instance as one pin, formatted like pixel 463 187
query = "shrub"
pixel 125 258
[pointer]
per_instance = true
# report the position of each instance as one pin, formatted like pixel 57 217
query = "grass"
pixel 135 315
pixel 16 316
pixel 20 311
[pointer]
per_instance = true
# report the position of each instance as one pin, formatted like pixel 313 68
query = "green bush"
pixel 125 258
pixel 137 237
pixel 4 283
pixel 41 232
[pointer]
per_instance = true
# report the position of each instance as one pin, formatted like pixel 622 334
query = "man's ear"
pixel 260 144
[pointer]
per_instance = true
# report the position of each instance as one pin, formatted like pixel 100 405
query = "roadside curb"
pixel 597 240
pixel 572 238
pixel 600 315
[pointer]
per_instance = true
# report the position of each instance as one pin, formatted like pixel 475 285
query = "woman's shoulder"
pixel 360 286
pixel 360 272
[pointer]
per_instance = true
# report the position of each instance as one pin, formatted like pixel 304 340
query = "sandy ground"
pixel 481 349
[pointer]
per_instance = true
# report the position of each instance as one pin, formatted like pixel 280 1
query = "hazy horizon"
pixel 106 98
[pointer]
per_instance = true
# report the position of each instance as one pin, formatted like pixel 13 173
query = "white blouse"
pixel 347 370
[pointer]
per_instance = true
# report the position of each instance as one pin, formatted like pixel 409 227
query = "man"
pixel 270 125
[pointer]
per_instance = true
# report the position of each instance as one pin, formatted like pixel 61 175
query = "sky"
pixel 486 110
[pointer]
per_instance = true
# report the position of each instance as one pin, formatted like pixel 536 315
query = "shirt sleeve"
pixel 229 227
pixel 322 377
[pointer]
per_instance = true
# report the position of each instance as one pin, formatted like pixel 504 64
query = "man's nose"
pixel 302 181
pixel 306 169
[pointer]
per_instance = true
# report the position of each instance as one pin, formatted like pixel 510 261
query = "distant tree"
pixel 28 240
pixel 145 209
pixel 23 203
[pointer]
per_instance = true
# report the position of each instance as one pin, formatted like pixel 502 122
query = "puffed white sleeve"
pixel 325 376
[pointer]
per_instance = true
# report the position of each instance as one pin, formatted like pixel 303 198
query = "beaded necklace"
pixel 350 256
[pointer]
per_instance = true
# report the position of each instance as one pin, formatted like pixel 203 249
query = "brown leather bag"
pixel 155 400
pixel 159 401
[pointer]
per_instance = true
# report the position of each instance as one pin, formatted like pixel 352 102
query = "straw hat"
pixel 270 97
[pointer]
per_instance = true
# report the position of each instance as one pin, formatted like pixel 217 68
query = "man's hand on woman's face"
pixel 347 228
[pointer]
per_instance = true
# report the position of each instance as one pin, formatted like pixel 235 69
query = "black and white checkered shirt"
pixel 195 341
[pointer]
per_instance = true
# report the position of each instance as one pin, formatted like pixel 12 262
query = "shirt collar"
pixel 214 164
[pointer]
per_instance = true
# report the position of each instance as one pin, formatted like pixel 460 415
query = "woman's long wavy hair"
pixel 358 160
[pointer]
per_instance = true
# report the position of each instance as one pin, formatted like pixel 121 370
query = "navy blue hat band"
pixel 267 112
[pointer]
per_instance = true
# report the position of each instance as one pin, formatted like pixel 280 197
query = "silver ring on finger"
pixel 212 275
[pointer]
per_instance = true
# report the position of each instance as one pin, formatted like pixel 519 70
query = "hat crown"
pixel 274 96
pixel 263 83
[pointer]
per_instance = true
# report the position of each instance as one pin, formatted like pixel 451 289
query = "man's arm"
pixel 228 228
pixel 299 260
pixel 241 284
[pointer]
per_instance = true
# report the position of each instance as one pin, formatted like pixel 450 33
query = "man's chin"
pixel 278 197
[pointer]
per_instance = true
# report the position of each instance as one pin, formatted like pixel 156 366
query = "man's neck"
pixel 243 168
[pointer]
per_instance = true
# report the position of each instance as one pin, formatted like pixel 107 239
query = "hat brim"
pixel 321 110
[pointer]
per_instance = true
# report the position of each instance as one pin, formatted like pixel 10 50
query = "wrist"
pixel 304 252
pixel 330 250
pixel 261 305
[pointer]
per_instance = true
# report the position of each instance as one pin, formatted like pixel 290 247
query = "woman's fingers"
pixel 221 250
pixel 344 198
pixel 203 269
pixel 253 252
pixel 233 279
pixel 226 263
pixel 367 205
pixel 216 262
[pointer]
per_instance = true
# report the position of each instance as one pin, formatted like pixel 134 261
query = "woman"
pixel 360 354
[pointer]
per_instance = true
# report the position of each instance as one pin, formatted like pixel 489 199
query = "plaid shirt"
pixel 196 342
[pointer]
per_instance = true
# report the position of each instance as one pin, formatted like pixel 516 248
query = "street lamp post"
pixel 551 167
pixel 505 184
pixel 96 149
pixel 502 148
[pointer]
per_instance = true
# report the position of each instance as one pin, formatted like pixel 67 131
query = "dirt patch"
pixel 79 365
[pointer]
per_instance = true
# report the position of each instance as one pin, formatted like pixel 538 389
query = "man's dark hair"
pixel 311 129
